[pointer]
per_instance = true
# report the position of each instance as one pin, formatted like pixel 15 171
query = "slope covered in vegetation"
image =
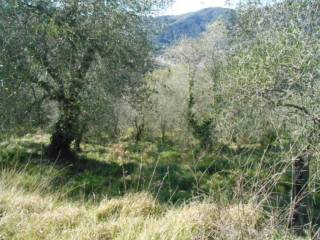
pixel 43 200
pixel 101 138
pixel 174 28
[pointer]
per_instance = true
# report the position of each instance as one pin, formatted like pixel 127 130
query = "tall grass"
pixel 32 215
pixel 35 205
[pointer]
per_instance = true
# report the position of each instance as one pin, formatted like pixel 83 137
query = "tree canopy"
pixel 63 48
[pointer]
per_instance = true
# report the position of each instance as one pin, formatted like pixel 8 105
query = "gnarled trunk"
pixel 79 136
pixel 139 129
pixel 77 142
pixel 65 132
pixel 299 198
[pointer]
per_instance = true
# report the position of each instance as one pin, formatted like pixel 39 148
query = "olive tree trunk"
pixel 299 198
pixel 65 132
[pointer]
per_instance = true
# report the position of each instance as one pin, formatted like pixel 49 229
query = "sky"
pixel 184 6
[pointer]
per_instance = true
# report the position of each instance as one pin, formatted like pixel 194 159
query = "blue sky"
pixel 184 6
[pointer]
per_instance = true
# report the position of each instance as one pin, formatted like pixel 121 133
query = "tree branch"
pixel 86 62
pixel 42 57
pixel 304 110
pixel 297 107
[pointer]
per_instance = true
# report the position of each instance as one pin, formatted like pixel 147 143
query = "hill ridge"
pixel 172 28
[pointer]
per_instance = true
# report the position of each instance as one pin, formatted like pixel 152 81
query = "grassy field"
pixel 137 191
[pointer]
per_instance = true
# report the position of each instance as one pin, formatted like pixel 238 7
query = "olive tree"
pixel 63 46
pixel 201 60
pixel 275 63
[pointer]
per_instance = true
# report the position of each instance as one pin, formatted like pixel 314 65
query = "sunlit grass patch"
pixel 131 217
pixel 133 205
pixel 152 195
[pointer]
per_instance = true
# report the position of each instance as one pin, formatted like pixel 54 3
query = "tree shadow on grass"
pixel 96 174
pixel 92 179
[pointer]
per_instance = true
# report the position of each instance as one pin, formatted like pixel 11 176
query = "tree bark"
pixel 139 129
pixel 65 133
pixel 299 198
pixel 77 142
pixel 163 133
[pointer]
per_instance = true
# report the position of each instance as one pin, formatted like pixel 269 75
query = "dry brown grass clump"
pixel 35 216
pixel 132 205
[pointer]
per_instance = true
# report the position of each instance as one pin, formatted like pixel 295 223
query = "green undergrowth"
pixel 164 170
pixel 144 190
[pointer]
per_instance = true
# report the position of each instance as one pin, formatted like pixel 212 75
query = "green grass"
pixel 158 191
pixel 170 174
pixel 161 170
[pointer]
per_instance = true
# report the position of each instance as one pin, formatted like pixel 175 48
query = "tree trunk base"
pixel 300 202
pixel 59 149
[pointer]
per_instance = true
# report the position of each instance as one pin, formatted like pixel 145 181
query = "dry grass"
pixel 132 205
pixel 36 216
pixel 33 213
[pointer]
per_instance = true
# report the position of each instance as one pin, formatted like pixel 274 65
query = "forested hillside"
pixel 171 29
pixel 103 136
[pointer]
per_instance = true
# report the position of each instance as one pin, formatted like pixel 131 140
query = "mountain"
pixel 170 29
